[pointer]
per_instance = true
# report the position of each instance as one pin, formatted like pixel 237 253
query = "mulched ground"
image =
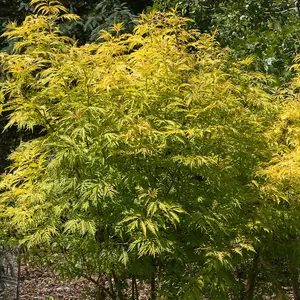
pixel 44 284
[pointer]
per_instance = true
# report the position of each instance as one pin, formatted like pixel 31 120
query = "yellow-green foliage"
pixel 279 212
pixel 151 143
pixel 283 172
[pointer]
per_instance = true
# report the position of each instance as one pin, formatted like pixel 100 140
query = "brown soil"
pixel 45 285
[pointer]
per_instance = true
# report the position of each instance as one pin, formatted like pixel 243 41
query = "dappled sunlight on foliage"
pixel 161 161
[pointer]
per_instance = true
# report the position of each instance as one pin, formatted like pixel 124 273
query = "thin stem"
pixel 251 281
pixel 152 283
pixel 136 290
pixel 132 287
pixel 111 286
pixel 119 290
pixel 153 291
pixel 97 283
pixel 45 119
pixel 18 278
